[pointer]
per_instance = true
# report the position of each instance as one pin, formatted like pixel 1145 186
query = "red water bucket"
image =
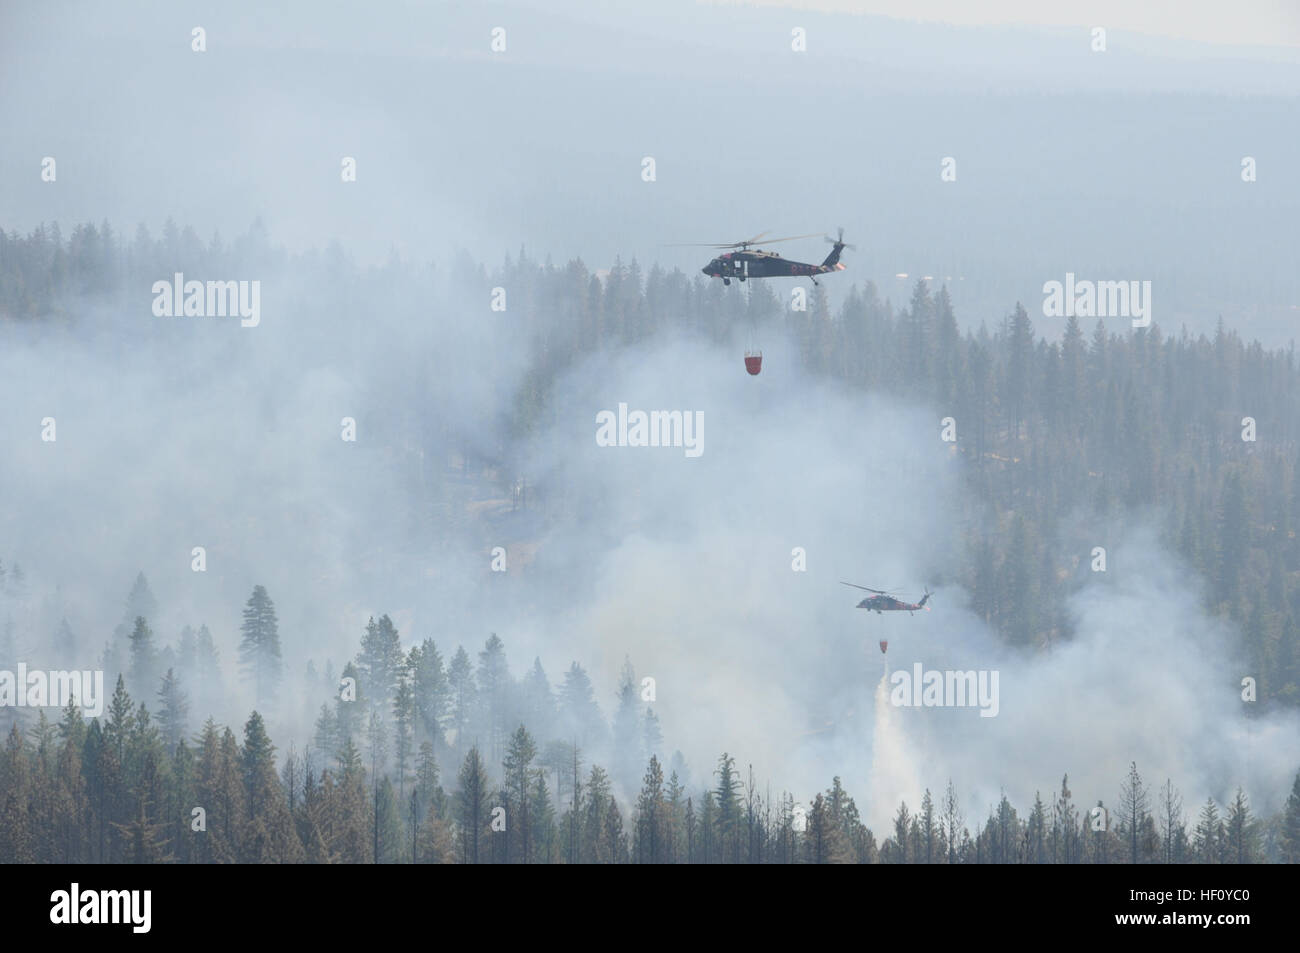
pixel 753 361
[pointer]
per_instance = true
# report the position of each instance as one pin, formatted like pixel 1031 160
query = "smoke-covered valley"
pixel 716 575
pixel 465 250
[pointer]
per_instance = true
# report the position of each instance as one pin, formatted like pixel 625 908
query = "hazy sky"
pixel 1123 165
pixel 1247 22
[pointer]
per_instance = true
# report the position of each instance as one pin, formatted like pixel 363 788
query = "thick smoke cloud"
pixel 695 584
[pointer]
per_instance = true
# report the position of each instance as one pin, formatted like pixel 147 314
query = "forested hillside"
pixel 137 787
pixel 1090 429
pixel 1065 433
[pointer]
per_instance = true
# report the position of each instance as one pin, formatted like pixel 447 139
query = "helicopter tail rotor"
pixel 840 240
pixel 832 261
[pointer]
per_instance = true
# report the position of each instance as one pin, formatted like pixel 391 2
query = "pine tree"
pixel 121 721
pixel 902 828
pixel 140 603
pixel 948 378
pixel 435 845
pixel 207 669
pixel 1173 827
pixel 952 821
pixel 580 716
pixel 259 649
pixel 1073 369
pixel 350 820
pixel 1020 345
pixel 1243 831
pixel 1065 837
pixel 404 717
pixel 72 810
pixel 843 823
pixel 518 775
pixel 99 766
pixel 928 829
pixel 427 789
pixel 674 820
pixel 627 726
pixel 1036 833
pixel 460 680
pixel 144 657
pixel 269 835
pixel 1290 835
pixel 180 802
pixel 312 819
pixel 389 842
pixel 1133 809
pixel 143 836
pixel 692 826
pixel 494 687
pixel 1234 539
pixel 573 849
pixel 1020 597
pixel 542 813
pixel 614 837
pixel 1103 835
pixel 380 662
pixel 596 848
pixel 538 701
pixel 429 685
pixel 816 840
pixel 1205 843
pixel 652 736
pixel 914 333
pixel 472 801
pixel 1007 837
pixel 651 810
pixel 727 802
pixel 221 794
pixel 18 843
pixel 173 711
pixel 325 737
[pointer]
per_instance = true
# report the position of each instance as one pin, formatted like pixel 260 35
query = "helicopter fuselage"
pixel 763 264
pixel 889 604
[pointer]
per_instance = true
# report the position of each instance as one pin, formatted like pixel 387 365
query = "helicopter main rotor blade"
pixel 769 241
pixel 741 244
pixel 709 244
pixel 881 592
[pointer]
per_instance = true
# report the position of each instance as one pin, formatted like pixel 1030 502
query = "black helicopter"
pixel 883 601
pixel 744 262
